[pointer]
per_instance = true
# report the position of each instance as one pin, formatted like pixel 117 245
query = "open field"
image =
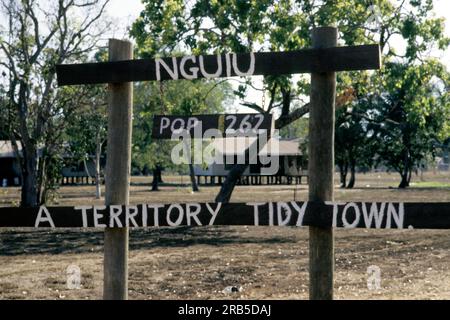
pixel 264 263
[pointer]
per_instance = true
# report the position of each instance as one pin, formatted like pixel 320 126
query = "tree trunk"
pixel 86 170
pixel 230 182
pixel 236 172
pixel 145 170
pixel 404 173
pixel 238 169
pixel 42 187
pixel 98 185
pixel 404 182
pixel 155 179
pixel 343 169
pixel 351 183
pixel 408 180
pixel 29 191
pixel 192 175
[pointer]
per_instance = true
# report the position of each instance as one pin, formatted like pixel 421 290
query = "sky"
pixel 125 12
pixel 442 9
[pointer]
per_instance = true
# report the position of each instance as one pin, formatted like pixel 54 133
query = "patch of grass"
pixel 430 184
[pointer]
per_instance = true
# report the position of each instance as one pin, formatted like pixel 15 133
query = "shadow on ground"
pixel 46 241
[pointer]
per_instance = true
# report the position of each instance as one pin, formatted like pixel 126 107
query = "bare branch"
pixel 253 106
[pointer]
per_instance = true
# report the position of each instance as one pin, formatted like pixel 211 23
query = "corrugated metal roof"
pixel 6 149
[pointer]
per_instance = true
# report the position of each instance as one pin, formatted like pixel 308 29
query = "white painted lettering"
pixel 165 122
pixel 344 215
pixel 130 213
pixel 270 214
pixel 335 210
pixel 193 213
pixel 228 64
pixel 84 214
pixel 211 75
pixel 98 216
pixel 283 206
pixel 47 218
pixel 251 68
pixel 193 70
pixel 180 215
pixel 301 212
pixel 375 213
pixel 213 212
pixel 256 210
pixel 398 216
pixel 172 72
pixel 155 208
pixel 114 213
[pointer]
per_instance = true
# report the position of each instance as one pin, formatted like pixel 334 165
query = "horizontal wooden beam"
pixel 340 215
pixel 347 58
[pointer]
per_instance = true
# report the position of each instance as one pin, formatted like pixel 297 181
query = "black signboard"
pixel 362 57
pixel 166 127
pixel 378 215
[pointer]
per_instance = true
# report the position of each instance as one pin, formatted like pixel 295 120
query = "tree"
pixel 174 97
pixel 148 154
pixel 86 132
pixel 240 26
pixel 40 35
pixel 352 144
pixel 413 111
pixel 412 23
pixel 165 26
pixel 206 27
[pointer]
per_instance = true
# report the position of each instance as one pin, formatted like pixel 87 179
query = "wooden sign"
pixel 363 57
pixel 164 127
pixel 384 215
pixel 321 61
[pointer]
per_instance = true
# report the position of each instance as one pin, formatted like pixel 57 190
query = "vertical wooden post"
pixel 118 163
pixel 321 168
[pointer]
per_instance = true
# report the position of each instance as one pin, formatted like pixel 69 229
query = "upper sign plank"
pixel 348 58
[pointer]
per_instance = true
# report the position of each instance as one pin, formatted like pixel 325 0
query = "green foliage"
pixel 87 125
pixel 414 110
pixel 173 97
pixel 403 92
pixel 200 27
pixel 37 35
pixel 297 129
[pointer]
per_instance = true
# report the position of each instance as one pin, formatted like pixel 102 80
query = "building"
pixel 80 172
pixel 9 167
pixel 231 150
pixel 10 175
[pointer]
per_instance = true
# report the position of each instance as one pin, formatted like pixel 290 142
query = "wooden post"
pixel 321 168
pixel 120 109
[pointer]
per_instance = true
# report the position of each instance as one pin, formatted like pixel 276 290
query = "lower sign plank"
pixel 385 215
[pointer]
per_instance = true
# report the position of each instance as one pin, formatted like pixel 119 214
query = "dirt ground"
pixel 261 262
